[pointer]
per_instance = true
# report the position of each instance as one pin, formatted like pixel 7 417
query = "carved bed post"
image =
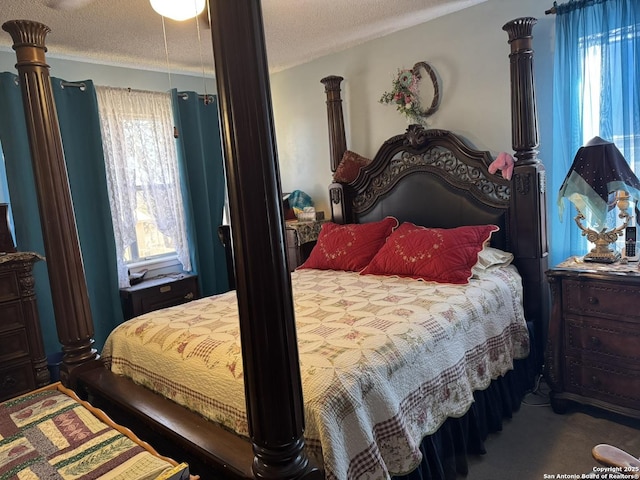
pixel 340 211
pixel 273 387
pixel 335 119
pixel 528 185
pixel 64 261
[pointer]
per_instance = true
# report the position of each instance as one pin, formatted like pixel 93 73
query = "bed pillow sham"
pixel 349 247
pixel 431 254
pixel 349 167
pixel 490 258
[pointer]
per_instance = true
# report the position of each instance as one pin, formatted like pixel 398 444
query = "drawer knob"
pixel 594 341
pixel 595 381
pixel 593 300
pixel 189 296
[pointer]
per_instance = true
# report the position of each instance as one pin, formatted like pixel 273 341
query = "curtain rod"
pixel 552 10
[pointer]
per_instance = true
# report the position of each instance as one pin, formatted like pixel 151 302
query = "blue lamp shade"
pixel 598 171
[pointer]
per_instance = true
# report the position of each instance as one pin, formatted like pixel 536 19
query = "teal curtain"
pixel 596 91
pixel 79 128
pixel 77 108
pixel 201 161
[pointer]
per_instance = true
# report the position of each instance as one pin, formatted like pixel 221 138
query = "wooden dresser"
pixel 23 363
pixel 156 293
pixel 593 344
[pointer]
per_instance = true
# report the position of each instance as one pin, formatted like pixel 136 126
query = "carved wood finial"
pixel 520 28
pixel 26 33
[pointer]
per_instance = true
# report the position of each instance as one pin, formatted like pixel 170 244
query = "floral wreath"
pixel 405 93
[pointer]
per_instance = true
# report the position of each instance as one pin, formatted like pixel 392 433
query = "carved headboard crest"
pixel 416 135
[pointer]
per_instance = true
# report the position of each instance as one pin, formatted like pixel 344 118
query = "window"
pixel 595 92
pixel 149 241
pixel 142 177
pixel 4 195
pixel 607 89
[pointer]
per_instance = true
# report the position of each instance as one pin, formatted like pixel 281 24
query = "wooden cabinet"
pixel 23 363
pixel 301 237
pixel 593 354
pixel 156 293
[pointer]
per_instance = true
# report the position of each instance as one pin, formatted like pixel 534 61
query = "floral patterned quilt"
pixel 384 361
pixel 51 434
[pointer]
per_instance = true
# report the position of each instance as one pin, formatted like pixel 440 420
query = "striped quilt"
pixel 48 434
pixel 384 361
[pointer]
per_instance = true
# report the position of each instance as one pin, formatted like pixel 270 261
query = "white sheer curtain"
pixel 141 163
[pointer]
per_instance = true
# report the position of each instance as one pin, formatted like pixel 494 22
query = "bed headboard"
pixel 431 178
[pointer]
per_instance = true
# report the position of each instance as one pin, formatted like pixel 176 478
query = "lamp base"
pixel 607 257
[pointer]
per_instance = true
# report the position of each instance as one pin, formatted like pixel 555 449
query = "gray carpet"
pixel 537 441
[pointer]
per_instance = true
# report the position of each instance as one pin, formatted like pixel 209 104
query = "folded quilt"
pixel 49 434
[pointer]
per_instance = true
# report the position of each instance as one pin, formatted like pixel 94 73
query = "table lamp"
pixel 599 180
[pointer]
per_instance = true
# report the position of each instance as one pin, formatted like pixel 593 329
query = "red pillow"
pixel 431 254
pixel 349 247
pixel 349 167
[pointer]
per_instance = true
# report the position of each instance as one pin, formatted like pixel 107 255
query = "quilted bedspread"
pixel 384 361
pixel 50 435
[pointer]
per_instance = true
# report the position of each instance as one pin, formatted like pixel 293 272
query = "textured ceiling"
pixel 130 33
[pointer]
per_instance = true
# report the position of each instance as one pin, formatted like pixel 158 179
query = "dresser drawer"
pixel 601 381
pixel 586 337
pixel 155 294
pixel 601 299
pixel 16 379
pixel 11 316
pixel 9 286
pixel 13 345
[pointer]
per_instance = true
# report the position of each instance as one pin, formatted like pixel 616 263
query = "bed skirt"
pixel 445 452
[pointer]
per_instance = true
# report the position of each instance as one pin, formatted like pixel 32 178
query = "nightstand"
pixel 159 292
pixel 23 363
pixel 593 355
pixel 301 237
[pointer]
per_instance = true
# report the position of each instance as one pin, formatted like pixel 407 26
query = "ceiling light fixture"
pixel 178 9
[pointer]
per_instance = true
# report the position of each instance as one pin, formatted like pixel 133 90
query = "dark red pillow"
pixel 431 254
pixel 349 167
pixel 349 247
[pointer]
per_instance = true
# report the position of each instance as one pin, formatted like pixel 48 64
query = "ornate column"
pixel 267 326
pixel 340 205
pixel 335 119
pixel 528 187
pixel 62 249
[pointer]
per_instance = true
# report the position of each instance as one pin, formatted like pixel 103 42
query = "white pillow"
pixel 490 258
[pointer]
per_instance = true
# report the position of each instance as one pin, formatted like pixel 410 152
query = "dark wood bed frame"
pixel 272 379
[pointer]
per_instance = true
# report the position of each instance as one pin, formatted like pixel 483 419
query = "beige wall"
pixel 468 50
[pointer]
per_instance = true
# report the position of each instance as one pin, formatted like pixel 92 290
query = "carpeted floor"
pixel 537 441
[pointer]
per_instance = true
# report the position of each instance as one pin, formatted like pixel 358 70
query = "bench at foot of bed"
pixel 51 433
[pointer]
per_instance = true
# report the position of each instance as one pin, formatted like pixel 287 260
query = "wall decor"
pixel 405 93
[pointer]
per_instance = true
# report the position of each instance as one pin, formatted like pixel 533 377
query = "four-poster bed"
pixel 272 379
